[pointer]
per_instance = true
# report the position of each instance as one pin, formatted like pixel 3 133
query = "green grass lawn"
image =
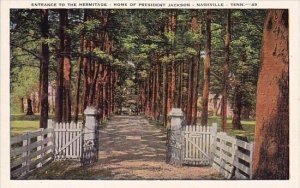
pixel 248 127
pixel 20 123
pixel 18 127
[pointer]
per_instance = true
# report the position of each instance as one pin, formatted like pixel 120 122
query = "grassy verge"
pixel 248 127
pixel 20 127
pixel 21 123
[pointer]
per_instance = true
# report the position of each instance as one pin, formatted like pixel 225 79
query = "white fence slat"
pixel 194 141
pixel 67 140
pixel 71 136
pixel 202 142
pixel 40 147
pixel 244 144
pixel 197 141
pixel 24 154
pixel 185 142
pixel 77 145
pixel 243 156
pixel 204 139
pixel 251 157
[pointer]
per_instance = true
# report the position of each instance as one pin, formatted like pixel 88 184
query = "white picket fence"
pixel 232 157
pixel 68 140
pixel 31 150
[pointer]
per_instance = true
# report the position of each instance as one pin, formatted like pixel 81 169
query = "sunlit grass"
pixel 248 127
pixel 21 123
pixel 20 127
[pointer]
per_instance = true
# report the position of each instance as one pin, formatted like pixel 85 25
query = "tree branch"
pixel 26 50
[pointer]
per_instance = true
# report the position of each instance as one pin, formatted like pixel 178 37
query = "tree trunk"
pixel 148 95
pixel 196 74
pixel 226 71
pixel 29 107
pixel 172 86
pixel 271 156
pixel 44 53
pixel 237 109
pixel 183 84
pixel 180 81
pixel 22 104
pixel 108 90
pixel 53 99
pixel 112 75
pixel 92 91
pixel 67 74
pixel 60 68
pixel 144 104
pixel 33 102
pixel 113 91
pixel 172 101
pixel 85 65
pixel 190 93
pixel 204 114
pixel 165 95
pixel 77 86
pixel 101 93
pixel 157 106
pixel 105 93
pixel 215 103
pixel 153 106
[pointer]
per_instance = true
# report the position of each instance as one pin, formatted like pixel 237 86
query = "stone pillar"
pixel 91 123
pixel 175 137
pixel 176 115
pixel 90 136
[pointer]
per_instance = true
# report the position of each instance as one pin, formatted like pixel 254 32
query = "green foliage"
pixel 193 37
pixel 170 36
pixel 167 59
pixel 139 39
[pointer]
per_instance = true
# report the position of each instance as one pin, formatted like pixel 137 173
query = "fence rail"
pixel 31 150
pixel 232 157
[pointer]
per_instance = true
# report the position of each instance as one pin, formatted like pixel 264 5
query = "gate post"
pixel 175 137
pixel 213 136
pixel 90 137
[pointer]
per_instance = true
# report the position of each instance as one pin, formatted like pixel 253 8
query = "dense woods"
pixel 152 61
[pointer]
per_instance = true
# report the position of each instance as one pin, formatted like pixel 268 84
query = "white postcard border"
pixel 294 26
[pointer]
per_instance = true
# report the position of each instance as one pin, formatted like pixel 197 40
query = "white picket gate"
pixel 202 145
pixel 68 140
pixel 196 144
